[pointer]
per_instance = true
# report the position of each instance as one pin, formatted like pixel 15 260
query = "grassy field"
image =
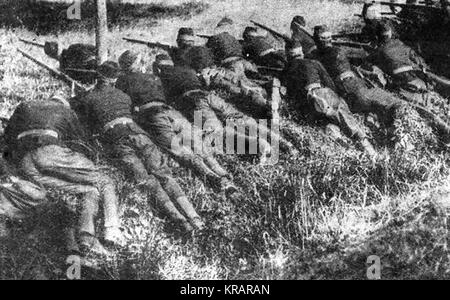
pixel 317 216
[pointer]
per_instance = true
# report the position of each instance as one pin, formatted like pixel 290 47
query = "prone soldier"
pixel 109 114
pixel 361 99
pixel 165 124
pixel 42 138
pixel 404 66
pixel 262 52
pixel 188 94
pixel 311 89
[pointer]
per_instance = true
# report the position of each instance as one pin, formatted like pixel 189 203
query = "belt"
pixel 38 132
pixel 149 105
pixel 189 93
pixel 268 51
pixel 313 86
pixel 346 75
pixel 402 70
pixel 118 121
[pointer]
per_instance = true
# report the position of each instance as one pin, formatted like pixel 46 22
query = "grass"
pixel 318 216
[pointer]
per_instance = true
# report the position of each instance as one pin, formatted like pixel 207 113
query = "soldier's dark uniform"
pixel 238 85
pixel 108 111
pixel 360 98
pixel 188 95
pixel 228 53
pixel 220 78
pixel 402 64
pixel 312 91
pixel 18 198
pixel 262 52
pixel 74 59
pixel 300 35
pixel 165 125
pixel 40 136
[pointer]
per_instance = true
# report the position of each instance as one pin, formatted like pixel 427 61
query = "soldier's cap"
pixel 60 98
pixel 164 59
pixel 298 21
pixel 322 31
pixel 109 70
pixel 225 22
pixel 127 59
pixel 373 12
pixel 249 31
pixel 186 34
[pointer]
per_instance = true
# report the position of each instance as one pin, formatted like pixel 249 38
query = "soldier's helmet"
pixel 250 31
pixel 186 37
pixel 128 59
pixel 298 21
pixel 108 70
pixel 52 49
pixel 225 22
pixel 322 35
pixel 161 60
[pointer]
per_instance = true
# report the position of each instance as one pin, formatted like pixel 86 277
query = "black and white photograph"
pixel 240 142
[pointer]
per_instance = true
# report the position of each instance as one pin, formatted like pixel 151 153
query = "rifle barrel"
pixel 275 33
pixel 136 41
pixel 32 43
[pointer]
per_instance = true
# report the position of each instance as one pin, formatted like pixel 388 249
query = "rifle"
pixel 354 45
pixel 56 73
pixel 32 43
pixel 205 36
pixel 406 5
pixel 148 44
pixel 273 32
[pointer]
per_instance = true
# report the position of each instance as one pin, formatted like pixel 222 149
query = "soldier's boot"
pixel 190 213
pixel 164 203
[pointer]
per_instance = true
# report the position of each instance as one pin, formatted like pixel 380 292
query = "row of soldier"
pixel 138 118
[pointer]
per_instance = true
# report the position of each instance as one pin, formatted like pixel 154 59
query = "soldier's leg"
pixel 175 135
pixel 69 171
pixel 156 164
pixel 329 104
pixel 128 154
